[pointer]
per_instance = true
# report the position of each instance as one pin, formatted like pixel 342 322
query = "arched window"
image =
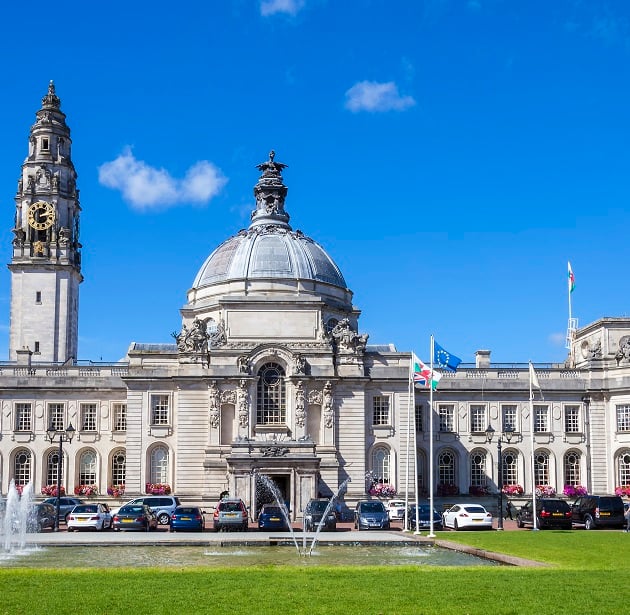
pixel 623 469
pixel 446 468
pixel 380 465
pixel 158 471
pixel 510 468
pixel 22 467
pixel 118 469
pixel 87 468
pixel 541 468
pixel 478 476
pixel 572 468
pixel 271 406
pixel 53 468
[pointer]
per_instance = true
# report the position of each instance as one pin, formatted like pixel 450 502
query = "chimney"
pixel 482 359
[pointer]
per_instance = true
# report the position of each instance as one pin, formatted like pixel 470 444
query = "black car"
pixel 41 516
pixel 550 513
pixel 66 505
pixel 593 511
pixel 424 518
pixel 135 517
pixel 314 513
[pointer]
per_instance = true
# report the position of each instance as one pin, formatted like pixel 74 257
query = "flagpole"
pixel 415 473
pixel 431 532
pixel 411 395
pixel 531 414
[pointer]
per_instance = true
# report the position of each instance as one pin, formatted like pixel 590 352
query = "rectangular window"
pixel 120 417
pixel 88 417
pixel 380 405
pixel 419 418
pixel 55 416
pixel 541 419
pixel 159 410
pixel 446 413
pixel 45 144
pixel 623 417
pixel 23 417
pixel 36 347
pixel 508 411
pixel 38 296
pixel 477 418
pixel 572 419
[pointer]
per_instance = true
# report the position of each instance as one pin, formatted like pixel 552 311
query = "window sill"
pixel 160 431
pixel 23 436
pixel 276 428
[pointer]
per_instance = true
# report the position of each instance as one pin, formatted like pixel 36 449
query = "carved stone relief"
pixel 300 412
pixel 214 404
pixel 242 402
pixel 623 354
pixel 328 405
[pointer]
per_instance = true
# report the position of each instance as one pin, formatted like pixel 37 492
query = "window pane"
pixel 23 417
pixel 380 415
pixel 159 410
pixel 271 400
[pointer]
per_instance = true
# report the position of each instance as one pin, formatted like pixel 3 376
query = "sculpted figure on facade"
pixel 623 354
pixel 213 404
pixel 328 404
pixel 242 404
pixel 299 364
pixel 20 236
pixel 595 350
pixel 218 336
pixel 300 412
pixel 242 363
pixel 64 236
pixel 315 397
pixel 194 339
pixel 347 339
pixel 228 397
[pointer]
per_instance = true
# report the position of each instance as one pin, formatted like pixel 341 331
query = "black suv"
pixel 594 511
pixel 550 513
pixel 314 512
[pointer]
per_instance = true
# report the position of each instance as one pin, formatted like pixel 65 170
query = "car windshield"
pixel 475 509
pixel 372 507
pixel 186 510
pixel 319 506
pixel 131 510
pixel 85 509
pixel 230 506
pixel 271 510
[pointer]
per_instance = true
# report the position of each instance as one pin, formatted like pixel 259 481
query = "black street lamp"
pixel 508 432
pixel 64 436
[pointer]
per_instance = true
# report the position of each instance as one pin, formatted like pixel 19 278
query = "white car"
pixel 90 516
pixel 396 509
pixel 467 516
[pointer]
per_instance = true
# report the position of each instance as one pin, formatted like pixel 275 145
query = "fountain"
pixel 15 522
pixel 322 521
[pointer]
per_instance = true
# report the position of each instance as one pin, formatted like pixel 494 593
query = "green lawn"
pixel 588 571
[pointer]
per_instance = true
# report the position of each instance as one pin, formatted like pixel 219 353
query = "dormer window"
pixel 45 144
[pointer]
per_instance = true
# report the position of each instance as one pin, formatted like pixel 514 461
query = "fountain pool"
pixel 234 556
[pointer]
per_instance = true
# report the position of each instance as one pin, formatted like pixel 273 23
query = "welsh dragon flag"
pixel 571 279
pixel 423 377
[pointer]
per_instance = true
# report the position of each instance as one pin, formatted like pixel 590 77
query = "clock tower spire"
pixel 46 263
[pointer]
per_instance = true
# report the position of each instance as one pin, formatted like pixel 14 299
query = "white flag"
pixel 533 378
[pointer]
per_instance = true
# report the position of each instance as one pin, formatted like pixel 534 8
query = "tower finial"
pixel 51 100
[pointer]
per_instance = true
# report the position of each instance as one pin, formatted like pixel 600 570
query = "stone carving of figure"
pixel 55 181
pixel 213 404
pixel 347 339
pixel 20 236
pixel 300 413
pixel 218 338
pixel 595 350
pixel 194 339
pixel 30 182
pixel 64 236
pixel 299 365
pixel 624 349
pixel 242 404
pixel 328 404
pixel 243 364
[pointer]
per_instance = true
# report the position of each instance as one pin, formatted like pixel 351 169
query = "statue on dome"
pixel 347 339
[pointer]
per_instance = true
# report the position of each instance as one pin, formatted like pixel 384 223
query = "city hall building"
pixel 272 374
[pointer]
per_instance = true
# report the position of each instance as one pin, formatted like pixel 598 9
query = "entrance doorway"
pixel 265 492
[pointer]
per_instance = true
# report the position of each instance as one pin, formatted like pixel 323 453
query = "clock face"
pixel 41 215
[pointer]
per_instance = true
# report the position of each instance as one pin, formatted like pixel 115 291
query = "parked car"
pixel 371 515
pixel 230 514
pixel 314 512
pixel 66 505
pixel 550 513
pixel 626 514
pixel 467 516
pixel 187 518
pixel 396 509
pixel 424 518
pixel 90 516
pixel 270 517
pixel 593 511
pixel 40 517
pixel 162 505
pixel 135 517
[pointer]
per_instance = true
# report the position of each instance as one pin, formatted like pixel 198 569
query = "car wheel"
pixel 588 522
pixel 163 519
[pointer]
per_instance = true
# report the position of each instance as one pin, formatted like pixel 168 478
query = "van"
pixel 593 511
pixel 162 506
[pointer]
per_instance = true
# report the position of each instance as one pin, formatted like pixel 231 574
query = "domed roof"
pixel 269 249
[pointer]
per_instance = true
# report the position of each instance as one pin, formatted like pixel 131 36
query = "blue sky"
pixel 450 155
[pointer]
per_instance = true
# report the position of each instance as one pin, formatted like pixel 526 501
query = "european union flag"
pixel 443 359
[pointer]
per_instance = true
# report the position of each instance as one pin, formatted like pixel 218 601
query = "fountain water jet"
pixel 322 521
pixel 16 517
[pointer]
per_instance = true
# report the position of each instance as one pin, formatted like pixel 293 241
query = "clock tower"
pixel 46 263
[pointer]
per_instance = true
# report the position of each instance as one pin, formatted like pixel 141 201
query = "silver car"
pixel 371 515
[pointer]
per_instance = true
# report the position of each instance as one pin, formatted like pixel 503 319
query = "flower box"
pixel 545 491
pixel 512 490
pixel 573 491
pixel 157 489
pixel 623 491
pixel 51 490
pixel 116 491
pixel 382 490
pixel 86 490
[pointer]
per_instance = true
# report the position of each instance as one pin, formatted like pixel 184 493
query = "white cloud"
pixel 557 339
pixel 290 7
pixel 146 187
pixel 373 96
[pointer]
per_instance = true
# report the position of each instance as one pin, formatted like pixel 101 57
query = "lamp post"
pixel 63 436
pixel 508 432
